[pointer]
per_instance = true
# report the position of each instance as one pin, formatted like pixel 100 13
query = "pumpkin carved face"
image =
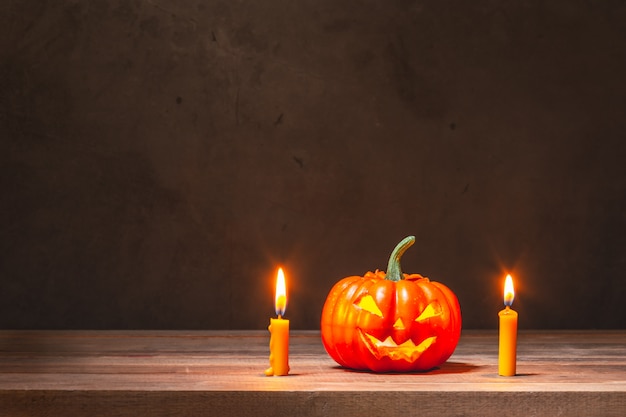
pixel 380 324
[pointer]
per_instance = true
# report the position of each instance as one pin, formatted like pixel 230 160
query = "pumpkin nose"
pixel 401 333
pixel 399 324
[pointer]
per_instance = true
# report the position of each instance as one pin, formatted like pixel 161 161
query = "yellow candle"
pixel 279 347
pixel 279 331
pixel 507 352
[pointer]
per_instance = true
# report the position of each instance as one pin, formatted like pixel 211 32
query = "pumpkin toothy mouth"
pixel 407 351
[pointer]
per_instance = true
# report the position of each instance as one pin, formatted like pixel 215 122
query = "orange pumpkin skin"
pixel 383 325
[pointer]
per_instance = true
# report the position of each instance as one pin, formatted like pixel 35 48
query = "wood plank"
pixel 221 373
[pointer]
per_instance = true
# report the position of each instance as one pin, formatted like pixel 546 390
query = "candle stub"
pixel 507 356
pixel 279 331
pixel 507 349
pixel 279 347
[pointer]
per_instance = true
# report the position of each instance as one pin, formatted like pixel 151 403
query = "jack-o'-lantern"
pixel 391 322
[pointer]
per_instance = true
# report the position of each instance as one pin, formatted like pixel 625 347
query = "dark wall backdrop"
pixel 160 158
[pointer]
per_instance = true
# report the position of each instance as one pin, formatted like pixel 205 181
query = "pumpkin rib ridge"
pixel 336 319
pixel 454 326
pixel 455 307
pixel 329 335
pixel 354 348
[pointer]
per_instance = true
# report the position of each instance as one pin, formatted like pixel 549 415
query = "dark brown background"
pixel 159 159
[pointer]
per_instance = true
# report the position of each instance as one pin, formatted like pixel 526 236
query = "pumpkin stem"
pixel 394 272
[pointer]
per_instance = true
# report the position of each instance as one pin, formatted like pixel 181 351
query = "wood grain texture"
pixel 159 373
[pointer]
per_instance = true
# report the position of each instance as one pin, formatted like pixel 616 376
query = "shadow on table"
pixel 454 368
pixel 446 368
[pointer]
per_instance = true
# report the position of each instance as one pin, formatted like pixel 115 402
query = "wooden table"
pixel 210 373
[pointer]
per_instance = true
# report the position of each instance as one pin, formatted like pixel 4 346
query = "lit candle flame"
pixel 281 293
pixel 509 292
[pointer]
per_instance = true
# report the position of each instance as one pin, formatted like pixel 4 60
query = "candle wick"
pixel 279 317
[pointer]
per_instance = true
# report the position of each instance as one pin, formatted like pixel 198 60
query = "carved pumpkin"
pixel 391 322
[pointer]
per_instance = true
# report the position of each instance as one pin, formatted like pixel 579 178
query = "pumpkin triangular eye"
pixel 367 303
pixel 431 310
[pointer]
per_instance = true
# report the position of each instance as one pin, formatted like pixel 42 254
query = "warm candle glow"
pixel 281 293
pixel 509 292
